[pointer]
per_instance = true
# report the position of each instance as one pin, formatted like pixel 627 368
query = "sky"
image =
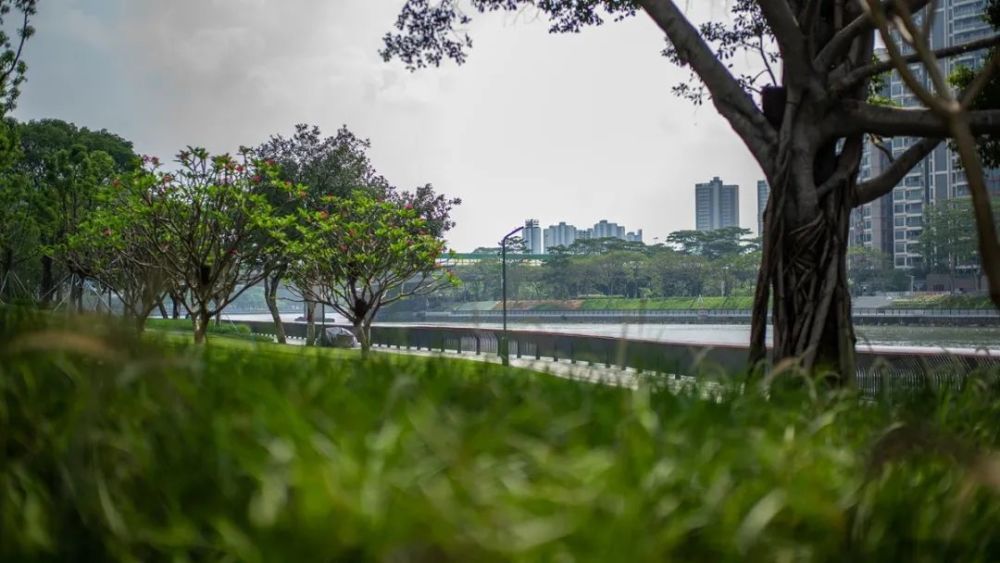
pixel 573 128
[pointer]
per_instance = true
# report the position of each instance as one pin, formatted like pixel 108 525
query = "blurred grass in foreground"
pixel 116 448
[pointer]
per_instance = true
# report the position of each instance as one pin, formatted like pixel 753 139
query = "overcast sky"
pixel 569 128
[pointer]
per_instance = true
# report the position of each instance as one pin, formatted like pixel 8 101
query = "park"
pixel 241 337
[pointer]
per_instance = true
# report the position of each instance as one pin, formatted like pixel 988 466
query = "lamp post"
pixel 504 356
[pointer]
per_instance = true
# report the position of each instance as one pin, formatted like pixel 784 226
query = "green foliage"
pixel 870 271
pixel 359 253
pixel 118 449
pixel 210 225
pixel 12 66
pixel 224 329
pixel 714 244
pixel 947 242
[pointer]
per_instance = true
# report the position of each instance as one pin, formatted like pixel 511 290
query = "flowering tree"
pixel 360 253
pixel 210 227
pixel 120 243
pixel 322 166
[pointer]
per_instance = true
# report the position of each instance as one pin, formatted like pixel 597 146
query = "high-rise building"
pixel 604 229
pixel 559 235
pixel 533 237
pixel 565 235
pixel 717 205
pixel 763 190
pixel 894 222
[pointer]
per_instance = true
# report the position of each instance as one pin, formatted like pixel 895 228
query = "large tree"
pixel 323 166
pixel 806 133
pixel 60 167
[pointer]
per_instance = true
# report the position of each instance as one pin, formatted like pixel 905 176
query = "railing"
pixel 682 313
pixel 879 368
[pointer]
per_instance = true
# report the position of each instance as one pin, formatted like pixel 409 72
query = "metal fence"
pixel 879 368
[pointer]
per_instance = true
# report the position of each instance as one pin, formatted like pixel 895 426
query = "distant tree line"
pixel 722 262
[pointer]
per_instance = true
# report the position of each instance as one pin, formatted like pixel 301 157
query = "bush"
pixel 124 449
pixel 224 329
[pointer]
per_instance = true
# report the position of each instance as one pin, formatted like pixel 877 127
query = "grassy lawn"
pixel 943 301
pixel 120 448
pixel 668 303
pixel 222 329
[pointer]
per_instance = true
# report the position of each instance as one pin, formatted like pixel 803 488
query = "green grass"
pixel 943 301
pixel 119 448
pixel 668 303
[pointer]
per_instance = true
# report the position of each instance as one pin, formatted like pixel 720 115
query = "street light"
pixel 504 356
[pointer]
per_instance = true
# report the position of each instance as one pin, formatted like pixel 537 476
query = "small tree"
pixel 120 244
pixel 323 166
pixel 360 253
pixel 212 228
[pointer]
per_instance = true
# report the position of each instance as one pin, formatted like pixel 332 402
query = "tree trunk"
pixel 176 305
pixel 310 323
pixel 271 298
pixel 362 330
pixel 139 323
pixel 163 308
pixel 76 293
pixel 200 319
pixel 6 271
pixel 47 285
pixel 804 267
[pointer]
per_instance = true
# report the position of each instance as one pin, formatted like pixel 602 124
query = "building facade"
pixel 763 190
pixel 532 233
pixel 717 205
pixel 559 235
pixel 893 224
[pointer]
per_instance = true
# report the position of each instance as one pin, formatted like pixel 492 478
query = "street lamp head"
pixel 503 241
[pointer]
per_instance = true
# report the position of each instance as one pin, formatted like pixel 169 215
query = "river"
pixel 922 336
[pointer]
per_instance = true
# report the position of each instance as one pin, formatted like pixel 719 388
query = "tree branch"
pixel 729 99
pixel 860 117
pixel 882 184
pixel 861 73
pixel 788 35
pixel 841 42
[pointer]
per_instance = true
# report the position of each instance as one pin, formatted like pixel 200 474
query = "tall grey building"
pixel 717 205
pixel 893 223
pixel 604 229
pixel 533 237
pixel 559 235
pixel 763 190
